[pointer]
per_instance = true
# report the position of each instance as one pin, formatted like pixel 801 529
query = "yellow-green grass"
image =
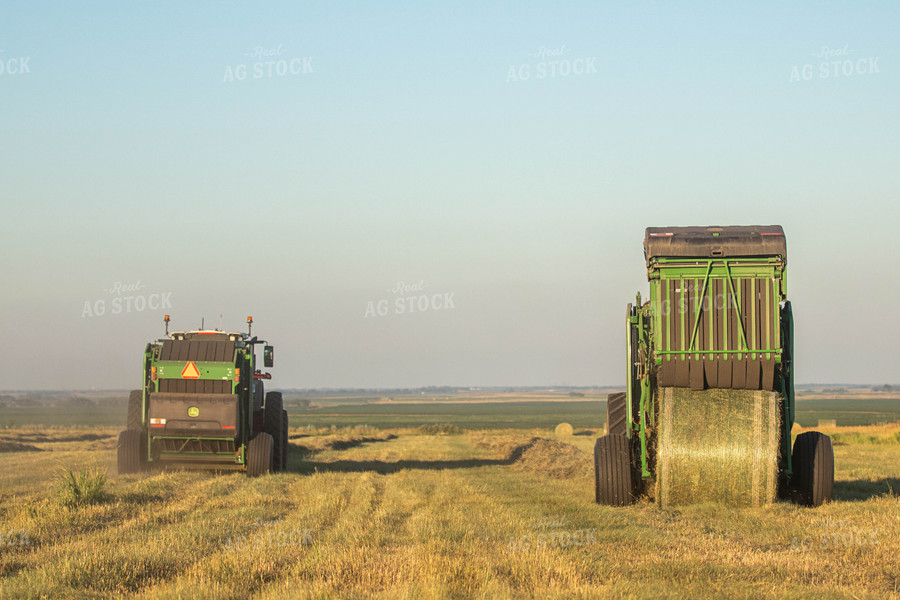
pixel 499 514
pixel 863 434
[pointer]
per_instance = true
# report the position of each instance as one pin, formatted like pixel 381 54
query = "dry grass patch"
pixel 504 514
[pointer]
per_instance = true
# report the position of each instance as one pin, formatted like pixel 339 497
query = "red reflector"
pixel 667 234
pixel 157 425
pixel 229 426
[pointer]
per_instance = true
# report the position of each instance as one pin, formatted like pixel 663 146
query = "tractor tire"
pixel 284 442
pixel 135 411
pixel 259 394
pixel 259 421
pixel 274 426
pixel 616 414
pixel 612 471
pixel 813 464
pixel 131 452
pixel 259 455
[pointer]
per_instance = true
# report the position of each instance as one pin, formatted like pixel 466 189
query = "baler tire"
pixel 131 457
pixel 813 464
pixel 135 419
pixel 613 484
pixel 274 425
pixel 284 441
pixel 259 455
pixel 616 414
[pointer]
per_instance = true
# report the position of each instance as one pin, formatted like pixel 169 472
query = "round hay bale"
pixel 717 446
pixel 564 429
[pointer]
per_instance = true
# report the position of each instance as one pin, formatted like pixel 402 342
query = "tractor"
pixel 716 335
pixel 202 401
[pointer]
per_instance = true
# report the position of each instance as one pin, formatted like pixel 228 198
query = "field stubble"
pixel 405 513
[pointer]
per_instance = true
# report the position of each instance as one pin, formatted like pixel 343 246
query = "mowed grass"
pixel 486 514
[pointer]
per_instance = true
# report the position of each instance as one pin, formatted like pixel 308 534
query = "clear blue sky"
pixel 403 151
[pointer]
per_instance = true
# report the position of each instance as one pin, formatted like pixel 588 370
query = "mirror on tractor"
pixel 269 356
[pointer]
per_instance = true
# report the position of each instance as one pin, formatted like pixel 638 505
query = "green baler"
pixel 716 332
pixel 202 401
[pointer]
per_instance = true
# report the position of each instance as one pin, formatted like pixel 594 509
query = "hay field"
pixel 421 514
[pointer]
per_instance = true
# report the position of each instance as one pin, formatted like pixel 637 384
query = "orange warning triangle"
pixel 190 371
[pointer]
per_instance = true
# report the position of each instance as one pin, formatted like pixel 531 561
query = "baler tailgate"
pixel 204 415
pixel 717 331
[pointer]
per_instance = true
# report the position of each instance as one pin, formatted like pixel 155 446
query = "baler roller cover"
pixel 717 446
pixel 714 242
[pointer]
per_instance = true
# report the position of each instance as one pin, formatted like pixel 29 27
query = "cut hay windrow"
pixel 10 446
pixel 717 446
pixel 554 459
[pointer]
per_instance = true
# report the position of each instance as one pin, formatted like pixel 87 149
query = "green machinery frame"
pixel 647 346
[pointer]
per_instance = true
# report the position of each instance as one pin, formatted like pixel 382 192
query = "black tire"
pixel 135 411
pixel 813 465
pixel 131 452
pixel 259 455
pixel 284 442
pixel 259 394
pixel 612 471
pixel 274 426
pixel 616 415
